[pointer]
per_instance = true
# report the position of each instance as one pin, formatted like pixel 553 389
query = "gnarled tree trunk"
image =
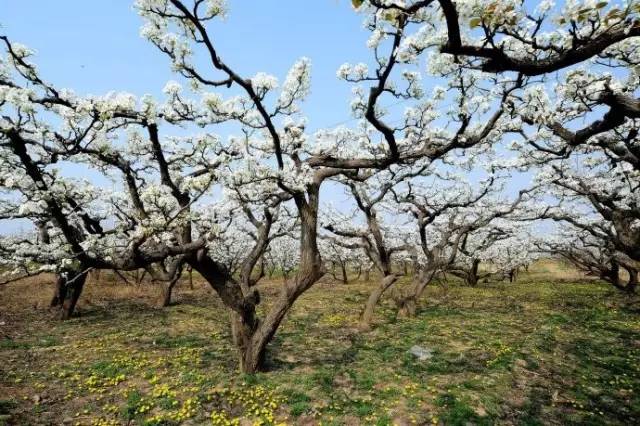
pixel 407 307
pixel 253 335
pixel 407 304
pixel 345 278
pixel 250 334
pixel 367 315
pixel 243 328
pixel 632 284
pixel 190 272
pixel 167 292
pixel 68 288
pixel 59 291
pixel 613 274
pixel 472 277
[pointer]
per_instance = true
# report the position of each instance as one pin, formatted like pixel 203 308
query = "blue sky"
pixel 94 46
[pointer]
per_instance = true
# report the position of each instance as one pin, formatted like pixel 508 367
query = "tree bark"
pixel 252 350
pixel 244 325
pixel 59 292
pixel 632 284
pixel 167 292
pixel 345 278
pixel 408 307
pixel 472 277
pixel 386 282
pixel 140 278
pixel 359 273
pixel 613 274
pixel 71 294
pixel 252 336
pixel 407 304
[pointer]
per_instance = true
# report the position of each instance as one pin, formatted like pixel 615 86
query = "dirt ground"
pixel 553 348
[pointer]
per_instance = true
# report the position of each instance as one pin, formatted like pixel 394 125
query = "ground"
pixel 550 349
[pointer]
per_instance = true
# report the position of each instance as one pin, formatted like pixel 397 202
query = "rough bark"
pixel 408 307
pixel 71 289
pixel 244 323
pixel 250 334
pixel 243 327
pixel 59 291
pixel 472 276
pixel 167 292
pixel 367 315
pixel 343 269
pixel 407 303
pixel 632 284
pixel 613 274
pixel 309 272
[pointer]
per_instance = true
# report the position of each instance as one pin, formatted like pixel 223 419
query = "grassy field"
pixel 550 349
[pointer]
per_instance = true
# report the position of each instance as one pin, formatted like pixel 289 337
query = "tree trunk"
pixel 59 292
pixel 367 274
pixel 252 349
pixel 359 273
pixel 71 294
pixel 613 274
pixel 472 277
pixel 140 279
pixel 244 325
pixel 386 282
pixel 633 281
pixel 407 305
pixel 472 280
pixel 251 358
pixel 167 291
pixel 345 278
pixel 251 336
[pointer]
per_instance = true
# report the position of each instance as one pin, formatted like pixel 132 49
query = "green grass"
pixel 536 352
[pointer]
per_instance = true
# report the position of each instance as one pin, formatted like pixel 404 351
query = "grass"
pixel 550 349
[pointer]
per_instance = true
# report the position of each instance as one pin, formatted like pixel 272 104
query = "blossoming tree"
pixel 179 195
